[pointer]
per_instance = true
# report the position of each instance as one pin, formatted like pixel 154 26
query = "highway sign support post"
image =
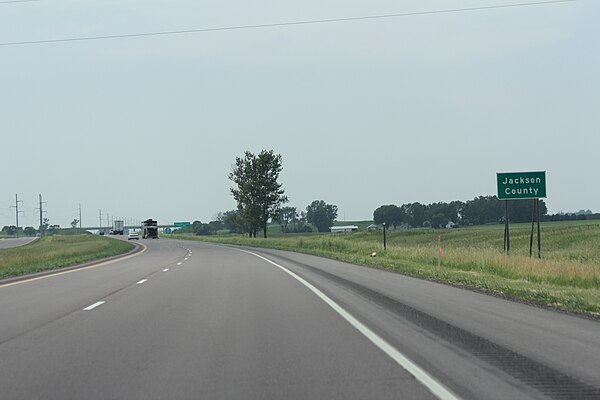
pixel 522 185
pixel 506 228
pixel 537 201
pixel 535 216
pixel 384 237
pixel 533 213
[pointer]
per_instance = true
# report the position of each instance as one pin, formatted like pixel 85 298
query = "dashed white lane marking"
pixel 178 263
pixel 142 281
pixel 185 259
pixel 165 270
pixel 98 304
pixel 435 387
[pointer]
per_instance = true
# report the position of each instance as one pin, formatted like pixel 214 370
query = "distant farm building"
pixel 373 227
pixel 343 229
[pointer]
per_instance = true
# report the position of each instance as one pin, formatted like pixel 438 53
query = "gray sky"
pixel 384 111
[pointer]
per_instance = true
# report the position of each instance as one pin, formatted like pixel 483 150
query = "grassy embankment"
pixel 567 277
pixel 58 251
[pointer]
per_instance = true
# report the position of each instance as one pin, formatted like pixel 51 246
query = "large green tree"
pixel 391 214
pixel 233 221
pixel 10 230
pixel 29 231
pixel 321 215
pixel 415 214
pixel 286 216
pixel 258 193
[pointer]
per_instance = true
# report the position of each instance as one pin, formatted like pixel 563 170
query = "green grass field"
pixel 567 277
pixel 58 251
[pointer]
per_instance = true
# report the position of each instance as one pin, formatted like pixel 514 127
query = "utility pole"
pixel 79 215
pixel 41 214
pixel 16 206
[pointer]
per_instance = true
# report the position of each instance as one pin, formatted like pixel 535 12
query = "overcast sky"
pixel 420 108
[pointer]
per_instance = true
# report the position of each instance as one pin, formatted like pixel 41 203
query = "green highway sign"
pixel 521 185
pixel 181 224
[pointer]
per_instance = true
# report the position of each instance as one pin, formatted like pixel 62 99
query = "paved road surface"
pixel 186 320
pixel 16 242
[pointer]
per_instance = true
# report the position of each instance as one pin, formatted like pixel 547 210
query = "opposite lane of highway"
pixel 15 242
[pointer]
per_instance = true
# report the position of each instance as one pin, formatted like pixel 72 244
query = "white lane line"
pixel 185 259
pixel 435 387
pixel 98 304
pixel 142 281
pixel 165 270
pixel 178 263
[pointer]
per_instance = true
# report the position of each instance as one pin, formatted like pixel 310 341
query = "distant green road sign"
pixel 167 230
pixel 181 224
pixel 521 185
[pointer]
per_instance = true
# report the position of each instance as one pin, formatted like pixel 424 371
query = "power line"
pixel 17 1
pixel 42 211
pixel 279 24
pixel 16 207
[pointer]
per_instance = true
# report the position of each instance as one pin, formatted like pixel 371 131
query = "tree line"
pixel 481 210
pixel 318 214
pixel 45 229
pixel 260 199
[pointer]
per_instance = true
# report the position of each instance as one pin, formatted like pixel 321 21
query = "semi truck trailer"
pixel 149 229
pixel 117 227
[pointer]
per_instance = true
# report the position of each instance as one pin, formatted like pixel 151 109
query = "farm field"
pixel 567 277
pixel 57 251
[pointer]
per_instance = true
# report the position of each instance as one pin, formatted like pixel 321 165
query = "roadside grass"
pixel 51 252
pixel 567 277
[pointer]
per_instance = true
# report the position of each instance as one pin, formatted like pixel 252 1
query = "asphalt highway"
pixel 15 242
pixel 186 320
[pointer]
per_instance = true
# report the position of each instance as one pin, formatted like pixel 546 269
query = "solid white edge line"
pixel 142 281
pixel 427 380
pixel 88 308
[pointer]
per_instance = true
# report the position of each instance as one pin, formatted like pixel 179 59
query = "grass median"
pixel 567 277
pixel 52 252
